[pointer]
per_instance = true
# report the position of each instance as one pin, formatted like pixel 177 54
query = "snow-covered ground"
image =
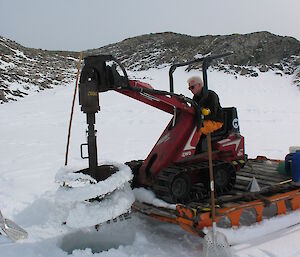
pixel 33 142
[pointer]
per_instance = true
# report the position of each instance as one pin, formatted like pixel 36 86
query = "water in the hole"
pixel 108 236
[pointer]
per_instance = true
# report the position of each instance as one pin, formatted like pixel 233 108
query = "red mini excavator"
pixel 177 167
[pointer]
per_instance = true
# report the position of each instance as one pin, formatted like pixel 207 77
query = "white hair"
pixel 195 80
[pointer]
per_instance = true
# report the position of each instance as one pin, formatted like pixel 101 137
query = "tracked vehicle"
pixel 176 169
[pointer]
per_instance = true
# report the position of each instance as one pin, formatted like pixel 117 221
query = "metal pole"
pixel 72 109
pixel 92 145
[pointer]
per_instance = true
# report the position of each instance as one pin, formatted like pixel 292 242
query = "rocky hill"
pixel 261 49
pixel 24 69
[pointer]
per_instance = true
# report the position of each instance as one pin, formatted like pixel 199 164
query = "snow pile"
pixel 269 226
pixel 84 189
pixel 84 214
pixel 147 196
pixel 114 196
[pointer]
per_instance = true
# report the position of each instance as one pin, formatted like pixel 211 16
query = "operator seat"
pixel 230 125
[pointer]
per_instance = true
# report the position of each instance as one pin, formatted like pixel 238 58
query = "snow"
pixel 89 214
pixel 33 143
pixel 89 191
pixel 115 192
pixel 4 65
pixel 270 226
pixel 147 196
pixel 17 52
pixel 15 86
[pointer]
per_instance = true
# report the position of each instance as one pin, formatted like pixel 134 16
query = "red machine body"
pixel 179 140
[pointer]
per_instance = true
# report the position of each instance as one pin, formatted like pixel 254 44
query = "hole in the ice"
pixel 97 241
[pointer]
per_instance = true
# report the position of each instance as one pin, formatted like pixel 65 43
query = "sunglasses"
pixel 192 87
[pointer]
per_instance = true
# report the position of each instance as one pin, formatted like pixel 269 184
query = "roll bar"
pixel 205 64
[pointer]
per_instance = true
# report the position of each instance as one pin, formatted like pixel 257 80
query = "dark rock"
pixel 263 68
pixel 2 96
pixel 245 71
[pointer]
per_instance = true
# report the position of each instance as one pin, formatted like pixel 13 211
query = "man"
pixel 211 108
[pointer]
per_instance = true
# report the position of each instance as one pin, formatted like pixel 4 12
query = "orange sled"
pixel 278 195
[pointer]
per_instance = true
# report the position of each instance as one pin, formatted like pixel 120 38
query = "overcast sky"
pixel 85 24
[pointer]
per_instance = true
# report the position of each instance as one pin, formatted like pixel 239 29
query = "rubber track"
pixel 199 191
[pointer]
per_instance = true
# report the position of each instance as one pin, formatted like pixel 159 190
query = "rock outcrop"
pixel 25 69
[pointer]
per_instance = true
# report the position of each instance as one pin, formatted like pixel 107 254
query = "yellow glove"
pixel 205 111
